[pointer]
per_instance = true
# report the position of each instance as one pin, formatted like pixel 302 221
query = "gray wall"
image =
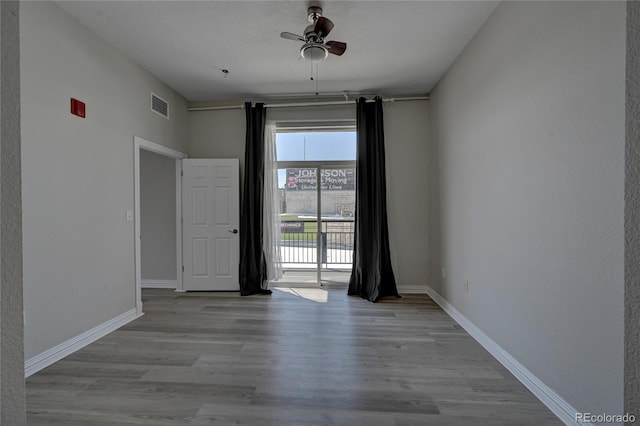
pixel 217 134
pixel 12 389
pixel 632 215
pixel 157 216
pixel 528 160
pixel 406 129
pixel 78 173
pixel 221 134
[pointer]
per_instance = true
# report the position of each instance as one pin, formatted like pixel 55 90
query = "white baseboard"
pixel 546 395
pixel 46 358
pixel 172 284
pixel 412 289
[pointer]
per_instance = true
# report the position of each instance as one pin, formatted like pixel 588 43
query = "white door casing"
pixel 210 212
pixel 139 144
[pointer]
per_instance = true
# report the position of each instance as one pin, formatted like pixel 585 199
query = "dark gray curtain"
pixel 253 268
pixel 372 276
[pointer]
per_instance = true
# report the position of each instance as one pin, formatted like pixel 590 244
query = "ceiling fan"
pixel 314 47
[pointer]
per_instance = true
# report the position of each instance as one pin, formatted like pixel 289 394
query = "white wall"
pixel 221 134
pixel 528 159
pixel 78 173
pixel 157 217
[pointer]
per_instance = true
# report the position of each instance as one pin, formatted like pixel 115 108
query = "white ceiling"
pixel 394 47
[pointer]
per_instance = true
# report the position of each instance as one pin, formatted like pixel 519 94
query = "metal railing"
pixel 299 241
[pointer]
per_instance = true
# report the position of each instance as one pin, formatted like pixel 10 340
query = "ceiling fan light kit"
pixel 313 52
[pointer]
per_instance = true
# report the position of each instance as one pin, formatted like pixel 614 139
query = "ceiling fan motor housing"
pixel 310 35
pixel 313 52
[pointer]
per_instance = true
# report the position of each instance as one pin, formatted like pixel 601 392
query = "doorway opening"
pixel 316 194
pixel 157 221
pixel 140 145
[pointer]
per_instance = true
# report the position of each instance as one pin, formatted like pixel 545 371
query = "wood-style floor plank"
pixel 299 357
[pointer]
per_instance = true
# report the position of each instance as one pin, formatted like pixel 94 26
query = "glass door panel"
pixel 298 224
pixel 338 198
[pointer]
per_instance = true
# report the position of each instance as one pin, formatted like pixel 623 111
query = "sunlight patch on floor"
pixel 314 294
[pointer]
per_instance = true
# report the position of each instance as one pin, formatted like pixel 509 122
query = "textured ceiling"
pixel 394 47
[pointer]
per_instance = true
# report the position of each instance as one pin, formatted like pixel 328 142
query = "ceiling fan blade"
pixel 291 36
pixel 323 26
pixel 336 47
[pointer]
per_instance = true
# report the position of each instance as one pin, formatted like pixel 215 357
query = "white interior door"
pixel 210 214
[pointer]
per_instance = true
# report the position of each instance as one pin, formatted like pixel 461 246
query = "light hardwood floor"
pixel 298 357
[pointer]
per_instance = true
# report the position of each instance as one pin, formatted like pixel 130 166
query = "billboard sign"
pixel 330 179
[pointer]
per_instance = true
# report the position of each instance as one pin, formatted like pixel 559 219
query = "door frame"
pixel 143 144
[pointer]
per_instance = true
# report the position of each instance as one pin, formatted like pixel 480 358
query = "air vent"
pixel 159 105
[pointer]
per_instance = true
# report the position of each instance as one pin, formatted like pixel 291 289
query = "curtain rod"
pixel 303 104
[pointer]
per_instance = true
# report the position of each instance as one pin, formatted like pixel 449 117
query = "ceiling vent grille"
pixel 159 105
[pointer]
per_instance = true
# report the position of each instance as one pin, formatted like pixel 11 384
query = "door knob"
pixel 235 231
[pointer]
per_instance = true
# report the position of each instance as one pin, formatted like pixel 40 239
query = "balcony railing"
pixel 299 241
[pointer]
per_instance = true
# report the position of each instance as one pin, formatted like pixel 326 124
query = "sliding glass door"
pixel 316 193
